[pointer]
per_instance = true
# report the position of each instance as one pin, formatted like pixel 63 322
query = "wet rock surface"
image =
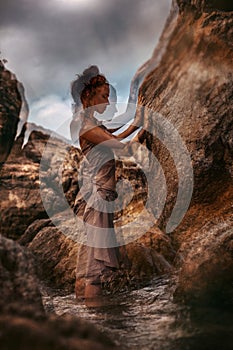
pixel 56 256
pixel 192 88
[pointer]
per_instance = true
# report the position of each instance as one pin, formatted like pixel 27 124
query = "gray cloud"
pixel 46 43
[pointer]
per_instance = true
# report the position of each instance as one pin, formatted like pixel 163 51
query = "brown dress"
pixel 95 203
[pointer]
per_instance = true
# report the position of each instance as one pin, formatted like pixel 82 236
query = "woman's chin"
pixel 101 110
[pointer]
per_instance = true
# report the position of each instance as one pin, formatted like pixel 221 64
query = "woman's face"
pixel 100 99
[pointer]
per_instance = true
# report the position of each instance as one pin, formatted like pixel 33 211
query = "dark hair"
pixel 86 84
pixel 90 88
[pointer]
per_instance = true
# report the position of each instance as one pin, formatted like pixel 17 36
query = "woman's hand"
pixel 140 137
pixel 127 151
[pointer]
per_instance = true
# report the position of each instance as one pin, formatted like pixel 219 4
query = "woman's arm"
pixel 114 129
pixel 98 135
pixel 128 131
pixel 135 125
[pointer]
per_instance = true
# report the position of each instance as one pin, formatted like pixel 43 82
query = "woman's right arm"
pixel 98 135
pixel 135 125
pixel 128 131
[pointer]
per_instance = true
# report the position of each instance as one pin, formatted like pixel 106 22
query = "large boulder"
pixel 206 274
pixel 24 177
pixel 191 91
pixel 10 105
pixel 50 333
pixel 56 249
pixel 56 253
pixel 19 284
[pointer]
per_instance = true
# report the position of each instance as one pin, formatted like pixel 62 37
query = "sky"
pixel 47 42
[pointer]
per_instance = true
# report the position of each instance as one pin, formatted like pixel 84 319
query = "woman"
pixel 98 191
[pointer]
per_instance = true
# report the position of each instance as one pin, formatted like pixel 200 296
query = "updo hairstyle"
pixel 86 83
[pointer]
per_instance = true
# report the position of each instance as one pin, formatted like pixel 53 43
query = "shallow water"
pixel 149 319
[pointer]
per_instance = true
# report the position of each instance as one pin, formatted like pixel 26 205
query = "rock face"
pixel 50 333
pixel 206 274
pixel 10 105
pixel 192 88
pixel 155 59
pixel 19 284
pixel 56 256
pixel 24 177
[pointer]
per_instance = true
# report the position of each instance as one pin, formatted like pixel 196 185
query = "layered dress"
pixel 94 204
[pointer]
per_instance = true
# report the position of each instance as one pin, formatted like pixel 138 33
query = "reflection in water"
pixel 149 319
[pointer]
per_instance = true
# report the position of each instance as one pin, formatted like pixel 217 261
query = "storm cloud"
pixel 47 42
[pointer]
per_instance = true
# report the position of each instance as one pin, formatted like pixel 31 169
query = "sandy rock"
pixel 192 91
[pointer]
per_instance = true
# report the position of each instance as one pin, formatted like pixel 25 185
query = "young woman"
pixel 100 256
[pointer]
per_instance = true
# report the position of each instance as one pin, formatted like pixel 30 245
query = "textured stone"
pixel 192 88
pixel 56 255
pixel 19 284
pixel 23 322
pixel 206 274
pixel 24 177
pixel 50 333
pixel 10 105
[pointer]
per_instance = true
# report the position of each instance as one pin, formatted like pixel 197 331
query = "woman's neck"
pixel 89 113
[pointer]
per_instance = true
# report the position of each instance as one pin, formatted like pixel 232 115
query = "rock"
pixel 192 89
pixel 24 178
pixel 10 105
pixel 19 284
pixel 200 83
pixel 70 174
pixel 206 275
pixel 21 203
pixel 206 268
pixel 50 333
pixel 205 5
pixel 155 59
pixel 56 255
pixel 24 112
pixel 23 322
pixel 41 179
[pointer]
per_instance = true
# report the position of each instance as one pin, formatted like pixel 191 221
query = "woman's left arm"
pixel 128 131
pixel 135 125
pixel 112 130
